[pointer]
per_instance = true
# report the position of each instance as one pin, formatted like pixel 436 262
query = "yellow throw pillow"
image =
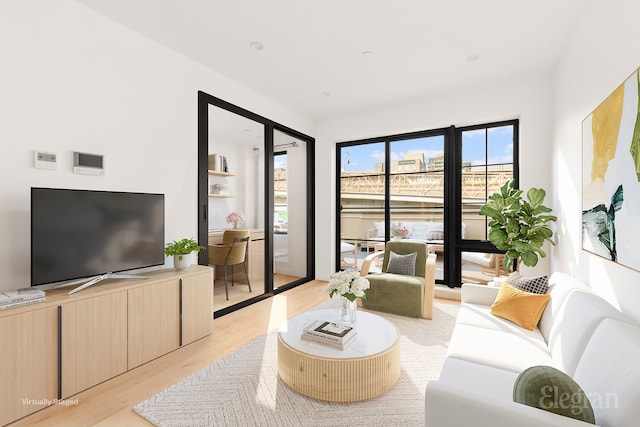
pixel 522 308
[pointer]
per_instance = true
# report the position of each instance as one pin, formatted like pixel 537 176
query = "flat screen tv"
pixel 78 234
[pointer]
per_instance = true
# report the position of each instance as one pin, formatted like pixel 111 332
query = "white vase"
pixel 348 311
pixel 182 262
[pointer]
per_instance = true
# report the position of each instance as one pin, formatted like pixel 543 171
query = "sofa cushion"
pixel 419 230
pixel 560 284
pixel 500 349
pixel 609 373
pixel 575 322
pixel 488 380
pixel 402 264
pixel 480 258
pixel 481 317
pixel 522 308
pixel 535 285
pixel 549 389
pixel 436 235
pixel 393 293
pixel 478 294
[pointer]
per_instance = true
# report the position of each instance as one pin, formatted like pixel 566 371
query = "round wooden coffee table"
pixel 368 367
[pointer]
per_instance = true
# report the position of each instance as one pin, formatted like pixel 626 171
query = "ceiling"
pixel 312 58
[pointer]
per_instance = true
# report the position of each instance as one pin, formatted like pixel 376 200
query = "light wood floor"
pixel 111 403
pixel 240 291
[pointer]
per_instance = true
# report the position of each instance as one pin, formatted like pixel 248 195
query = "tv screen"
pixel 81 233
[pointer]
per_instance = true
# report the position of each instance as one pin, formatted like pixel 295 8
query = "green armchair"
pixel 404 294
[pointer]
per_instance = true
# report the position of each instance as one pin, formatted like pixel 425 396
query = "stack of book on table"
pixel 331 334
pixel 18 297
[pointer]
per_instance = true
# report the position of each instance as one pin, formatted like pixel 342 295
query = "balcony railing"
pixel 476 186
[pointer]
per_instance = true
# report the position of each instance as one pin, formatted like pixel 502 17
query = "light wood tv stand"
pixel 54 349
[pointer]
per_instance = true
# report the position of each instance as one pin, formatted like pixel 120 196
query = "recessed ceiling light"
pixel 256 45
pixel 367 53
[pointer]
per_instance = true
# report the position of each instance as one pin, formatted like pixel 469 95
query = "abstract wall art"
pixel 611 176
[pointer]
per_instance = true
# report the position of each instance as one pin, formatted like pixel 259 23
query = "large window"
pixel 426 186
pixel 488 159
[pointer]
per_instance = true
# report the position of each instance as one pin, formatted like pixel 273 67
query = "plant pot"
pixel 182 262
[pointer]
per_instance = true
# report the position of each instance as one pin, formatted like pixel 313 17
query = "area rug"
pixel 243 388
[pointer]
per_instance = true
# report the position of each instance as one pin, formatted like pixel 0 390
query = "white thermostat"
pixel 88 164
pixel 44 160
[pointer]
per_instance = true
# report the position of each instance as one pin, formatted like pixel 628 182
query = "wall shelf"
pixel 221 196
pixel 218 173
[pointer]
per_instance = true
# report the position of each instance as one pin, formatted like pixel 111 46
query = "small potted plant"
pixel 181 251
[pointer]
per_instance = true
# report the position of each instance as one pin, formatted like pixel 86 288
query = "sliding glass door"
pixel 235 186
pixel 416 193
pixel 290 226
pixel 261 171
pixel 388 189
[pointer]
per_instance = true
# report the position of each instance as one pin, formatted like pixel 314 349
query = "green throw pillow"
pixel 547 388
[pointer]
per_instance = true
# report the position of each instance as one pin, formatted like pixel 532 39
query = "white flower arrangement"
pixel 347 283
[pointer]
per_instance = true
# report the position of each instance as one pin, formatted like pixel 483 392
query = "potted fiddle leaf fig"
pixel 181 251
pixel 518 226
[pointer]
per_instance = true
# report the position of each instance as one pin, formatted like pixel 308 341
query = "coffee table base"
pixel 339 380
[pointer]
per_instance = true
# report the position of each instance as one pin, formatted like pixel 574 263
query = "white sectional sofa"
pixel 425 231
pixel 579 333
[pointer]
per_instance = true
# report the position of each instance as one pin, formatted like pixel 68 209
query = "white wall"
pixel 601 55
pixel 530 101
pixel 73 80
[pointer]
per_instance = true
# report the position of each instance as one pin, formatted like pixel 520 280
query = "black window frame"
pixel 452 210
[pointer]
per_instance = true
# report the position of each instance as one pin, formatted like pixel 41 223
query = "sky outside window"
pixel 498 141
